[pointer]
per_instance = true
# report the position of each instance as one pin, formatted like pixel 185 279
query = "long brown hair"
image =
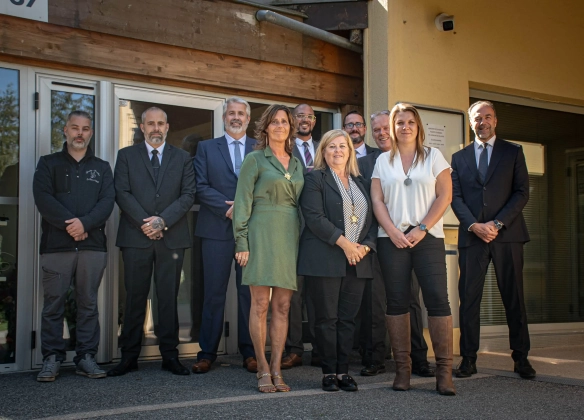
pixel 351 167
pixel 421 150
pixel 261 131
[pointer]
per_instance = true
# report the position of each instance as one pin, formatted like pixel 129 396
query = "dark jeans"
pixel 336 303
pixel 84 269
pixel 428 260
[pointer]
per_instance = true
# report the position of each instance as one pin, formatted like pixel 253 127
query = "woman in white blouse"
pixel 410 191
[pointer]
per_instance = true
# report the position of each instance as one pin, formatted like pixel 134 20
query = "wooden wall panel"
pixel 208 25
pixel 59 44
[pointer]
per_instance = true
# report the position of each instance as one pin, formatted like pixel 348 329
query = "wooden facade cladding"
pixel 208 45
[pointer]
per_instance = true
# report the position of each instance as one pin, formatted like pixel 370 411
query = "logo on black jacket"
pixel 92 174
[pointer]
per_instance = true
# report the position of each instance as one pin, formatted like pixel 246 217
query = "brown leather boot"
pixel 401 345
pixel 441 334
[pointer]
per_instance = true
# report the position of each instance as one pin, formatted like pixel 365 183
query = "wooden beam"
pixel 214 26
pixel 43 41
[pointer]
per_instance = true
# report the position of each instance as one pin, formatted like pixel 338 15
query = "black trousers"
pixel 428 260
pixel 139 264
pixel 294 341
pixel 336 303
pixel 508 261
pixel 373 330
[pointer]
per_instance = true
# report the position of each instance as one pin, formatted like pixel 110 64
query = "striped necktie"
pixel 308 157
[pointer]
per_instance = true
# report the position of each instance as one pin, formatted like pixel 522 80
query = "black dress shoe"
pixel 466 368
pixel 372 370
pixel 174 366
pixel 347 383
pixel 125 366
pixel 330 383
pixel 423 369
pixel 524 369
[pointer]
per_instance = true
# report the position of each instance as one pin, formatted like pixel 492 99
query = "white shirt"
pixel 300 145
pixel 159 148
pixel 478 147
pixel 361 151
pixel 409 204
pixel 231 147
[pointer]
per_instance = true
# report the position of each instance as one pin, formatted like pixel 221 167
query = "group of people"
pixel 336 224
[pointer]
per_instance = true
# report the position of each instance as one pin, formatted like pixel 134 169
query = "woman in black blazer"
pixel 334 254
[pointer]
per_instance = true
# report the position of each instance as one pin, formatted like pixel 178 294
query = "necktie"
pixel 484 162
pixel 237 155
pixel 155 163
pixel 308 157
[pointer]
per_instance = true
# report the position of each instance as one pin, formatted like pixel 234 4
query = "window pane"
pixel 9 132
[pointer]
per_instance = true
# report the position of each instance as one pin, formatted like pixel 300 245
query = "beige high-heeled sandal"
pixel 262 387
pixel 280 387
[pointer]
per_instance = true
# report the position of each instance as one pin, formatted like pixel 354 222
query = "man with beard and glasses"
pixel 305 151
pixel 74 193
pixel 374 302
pixel 217 164
pixel 354 124
pixel 155 189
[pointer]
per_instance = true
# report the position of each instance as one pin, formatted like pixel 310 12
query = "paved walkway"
pixel 228 391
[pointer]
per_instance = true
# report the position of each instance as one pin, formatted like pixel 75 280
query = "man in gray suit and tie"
pixel 155 188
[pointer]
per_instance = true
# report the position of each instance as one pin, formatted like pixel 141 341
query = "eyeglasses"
pixel 353 125
pixel 303 117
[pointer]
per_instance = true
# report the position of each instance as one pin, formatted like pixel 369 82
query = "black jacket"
pixel 367 163
pixel 322 208
pixel 64 189
pixel 502 196
pixel 139 196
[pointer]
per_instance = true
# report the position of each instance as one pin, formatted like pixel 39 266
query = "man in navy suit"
pixel 217 164
pixel 490 189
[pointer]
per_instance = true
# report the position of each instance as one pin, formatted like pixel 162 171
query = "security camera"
pixel 444 23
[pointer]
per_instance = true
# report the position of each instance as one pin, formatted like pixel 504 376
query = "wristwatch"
pixel 498 224
pixel 367 248
pixel 423 228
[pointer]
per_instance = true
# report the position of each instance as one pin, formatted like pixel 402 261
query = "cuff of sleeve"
pixel 469 228
pixel 335 237
pixel 241 245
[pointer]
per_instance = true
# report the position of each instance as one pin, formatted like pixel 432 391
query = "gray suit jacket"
pixel 139 196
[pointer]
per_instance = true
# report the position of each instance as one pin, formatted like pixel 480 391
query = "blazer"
pixel 216 183
pixel 502 196
pixel 322 207
pixel 296 153
pixel 139 196
pixel 367 163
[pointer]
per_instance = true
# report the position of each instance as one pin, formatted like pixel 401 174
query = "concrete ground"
pixel 228 391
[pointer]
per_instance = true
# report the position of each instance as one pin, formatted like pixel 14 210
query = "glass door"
pixel 192 119
pixel 9 192
pixel 57 97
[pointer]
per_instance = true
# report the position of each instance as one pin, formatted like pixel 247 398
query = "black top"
pixel 65 189
pixel 322 207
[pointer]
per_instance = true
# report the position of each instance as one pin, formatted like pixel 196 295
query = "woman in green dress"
pixel 266 226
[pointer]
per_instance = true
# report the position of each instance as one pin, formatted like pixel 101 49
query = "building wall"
pixel 520 47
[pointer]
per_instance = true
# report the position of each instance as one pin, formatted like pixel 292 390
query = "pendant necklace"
pixel 408 180
pixel 354 217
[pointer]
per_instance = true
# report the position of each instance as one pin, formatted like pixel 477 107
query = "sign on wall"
pixel 26 9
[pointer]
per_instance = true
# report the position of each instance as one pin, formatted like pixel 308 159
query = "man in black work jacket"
pixel 74 193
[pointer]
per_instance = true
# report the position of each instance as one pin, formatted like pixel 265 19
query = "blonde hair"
pixel 351 167
pixel 421 150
